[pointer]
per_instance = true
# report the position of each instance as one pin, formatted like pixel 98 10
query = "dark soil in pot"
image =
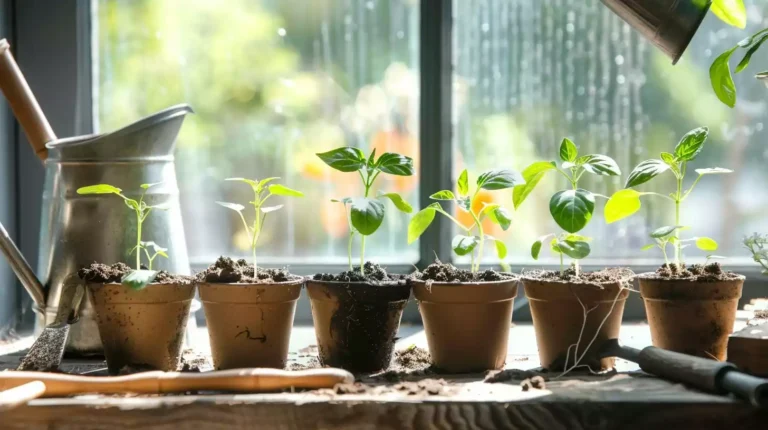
pixel 691 309
pixel 249 315
pixel 466 316
pixel 558 303
pixel 139 328
pixel 357 316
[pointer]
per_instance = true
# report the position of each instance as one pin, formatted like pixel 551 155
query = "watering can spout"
pixel 21 268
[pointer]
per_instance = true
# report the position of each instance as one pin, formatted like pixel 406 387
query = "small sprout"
pixel 757 244
pixel 469 242
pixel 365 214
pixel 262 191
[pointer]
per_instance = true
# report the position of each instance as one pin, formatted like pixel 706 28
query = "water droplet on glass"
pixel 620 79
pixel 281 32
pixel 485 27
pixel 370 5
pixel 570 27
pixel 619 60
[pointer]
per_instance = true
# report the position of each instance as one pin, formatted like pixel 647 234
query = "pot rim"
pixel 398 283
pixel 151 284
pixel 420 282
pixel 628 278
pixel 302 280
pixel 652 276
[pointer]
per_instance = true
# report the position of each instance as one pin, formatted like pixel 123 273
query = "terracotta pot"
pixel 249 325
pixel 691 317
pixel 142 328
pixel 467 324
pixel 558 318
pixel 356 323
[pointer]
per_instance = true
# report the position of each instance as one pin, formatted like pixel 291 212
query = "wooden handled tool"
pixel 236 380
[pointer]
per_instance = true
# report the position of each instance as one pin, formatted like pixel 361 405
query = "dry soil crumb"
pixel 711 272
pixel 507 375
pixel 605 276
pixel 444 272
pixel 537 382
pixel 413 357
pixel 424 387
pixel 373 273
pixel 106 274
pixel 228 271
pixel 312 363
pixel 194 362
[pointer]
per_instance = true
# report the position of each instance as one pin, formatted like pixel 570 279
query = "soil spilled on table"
pixel 311 363
pixel 711 272
pixel 445 272
pixel 422 388
pixel 374 274
pixel 228 271
pixel 407 364
pixel 529 379
pixel 99 273
pixel 610 275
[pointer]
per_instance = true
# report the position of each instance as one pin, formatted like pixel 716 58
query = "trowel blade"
pixel 46 353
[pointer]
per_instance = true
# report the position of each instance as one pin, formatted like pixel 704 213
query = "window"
pixel 272 82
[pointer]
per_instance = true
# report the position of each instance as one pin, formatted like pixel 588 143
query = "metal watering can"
pixel 77 230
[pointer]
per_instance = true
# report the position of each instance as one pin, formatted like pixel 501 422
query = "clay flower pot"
pixel 249 325
pixel 142 327
pixel 558 318
pixel 691 317
pixel 467 324
pixel 356 323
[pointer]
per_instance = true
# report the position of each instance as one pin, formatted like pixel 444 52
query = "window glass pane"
pixel 529 73
pixel 272 83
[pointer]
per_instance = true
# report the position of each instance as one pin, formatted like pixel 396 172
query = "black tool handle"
pixel 747 387
pixel 702 373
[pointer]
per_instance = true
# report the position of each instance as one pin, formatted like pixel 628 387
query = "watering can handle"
pixel 23 103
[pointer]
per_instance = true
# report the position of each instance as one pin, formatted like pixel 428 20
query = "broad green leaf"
pixel 531 175
pixel 572 209
pixel 271 208
pixel 499 215
pixel 731 12
pixel 501 248
pixel 282 190
pixel 463 245
pixel 568 150
pixel 648 247
pixel 665 231
pixel 346 159
pixel 713 171
pixel 622 204
pixel 691 144
pixel 464 203
pixel 420 222
pixel 706 244
pixel 398 201
pixel 574 249
pixel 751 51
pixel 395 164
pixel 499 179
pixel 646 171
pixel 721 79
pixel 148 186
pixel 600 165
pixel 463 183
pixel 138 279
pixel 443 195
pixel 99 189
pixel 233 206
pixel 366 215
pixel 264 182
pixel 536 249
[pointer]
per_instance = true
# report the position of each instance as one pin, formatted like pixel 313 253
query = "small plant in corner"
pixel 757 244
pixel 365 214
pixel 262 191
pixel 473 238
pixel 626 202
pixel 139 278
pixel 571 209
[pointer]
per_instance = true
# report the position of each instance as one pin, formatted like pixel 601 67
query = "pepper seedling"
pixel 571 209
pixel 262 191
pixel 469 243
pixel 365 214
pixel 139 278
pixel 757 244
pixel 626 202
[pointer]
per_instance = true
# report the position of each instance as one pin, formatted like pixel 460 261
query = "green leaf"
pixel 648 247
pixel 395 164
pixel 600 165
pixel 498 215
pixel 250 182
pixel 271 208
pixel 398 201
pixel 751 51
pixel 668 158
pixel 691 144
pixel 463 245
pixel 443 195
pixel 501 248
pixel 531 175
pixel 706 244
pixel 622 204
pixel 577 238
pixel 345 200
pixel 138 279
pixel 499 179
pixel 665 231
pixel 99 189
pixel 713 171
pixel 721 79
pixel 234 206
pixel 282 190
pixel 568 150
pixel 264 182
pixel 464 203
pixel 574 249
pixel 419 223
pixel 572 209
pixel 463 183
pixel 646 171
pixel 372 159
pixel 366 215
pixel 147 186
pixel 731 12
pixel 162 253
pixel 346 159
pixel 536 249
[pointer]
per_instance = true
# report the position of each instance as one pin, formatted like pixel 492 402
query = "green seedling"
pixel 757 244
pixel 158 251
pixel 626 202
pixel 139 278
pixel 472 239
pixel 262 191
pixel 571 209
pixel 365 214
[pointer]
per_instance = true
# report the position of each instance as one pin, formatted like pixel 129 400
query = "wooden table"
pixel 624 399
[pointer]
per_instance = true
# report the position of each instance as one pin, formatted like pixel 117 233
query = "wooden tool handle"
pixel 23 103
pixel 237 380
pixel 17 396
